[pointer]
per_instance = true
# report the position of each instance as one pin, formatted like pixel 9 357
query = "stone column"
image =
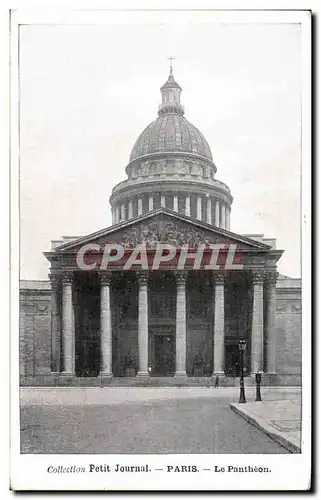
pixel 113 215
pixel 199 208
pixel 68 334
pixel 117 211
pixel 106 338
pixel 122 212
pixel 217 214
pixel 130 210
pixel 163 201
pixel 227 218
pixel 222 225
pixel 151 203
pixel 219 319
pixel 270 319
pixel 143 324
pixel 257 323
pixel 139 206
pixel 181 278
pixel 209 210
pixel 188 205
pixel 175 204
pixel 55 334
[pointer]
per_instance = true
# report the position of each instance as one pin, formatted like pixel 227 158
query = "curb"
pixel 286 443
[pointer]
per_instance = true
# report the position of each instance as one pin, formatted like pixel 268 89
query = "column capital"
pixel 181 277
pixel 67 278
pixel 55 279
pixel 258 275
pixel 219 278
pixel 142 278
pixel 105 278
pixel 271 277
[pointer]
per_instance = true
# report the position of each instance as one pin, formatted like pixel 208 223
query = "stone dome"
pixel 171 132
pixel 171 166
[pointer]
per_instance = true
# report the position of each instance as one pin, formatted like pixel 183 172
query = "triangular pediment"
pixel 163 226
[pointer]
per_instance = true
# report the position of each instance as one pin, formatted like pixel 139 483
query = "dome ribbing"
pixel 171 132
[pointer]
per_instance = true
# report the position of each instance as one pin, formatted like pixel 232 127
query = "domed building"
pixel 171 166
pixel 167 293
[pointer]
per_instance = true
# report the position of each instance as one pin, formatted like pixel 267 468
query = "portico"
pixel 168 322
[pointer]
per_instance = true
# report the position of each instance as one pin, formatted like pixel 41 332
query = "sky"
pixel 87 92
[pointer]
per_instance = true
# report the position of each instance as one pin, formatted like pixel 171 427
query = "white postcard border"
pixel 288 471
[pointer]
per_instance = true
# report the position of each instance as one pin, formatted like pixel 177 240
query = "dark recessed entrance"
pixel 87 326
pixel 233 361
pixel 163 355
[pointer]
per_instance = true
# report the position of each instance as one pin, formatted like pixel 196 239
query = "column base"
pixel 106 374
pixel 218 374
pixel 267 378
pixel 180 374
pixel 67 374
pixel 142 374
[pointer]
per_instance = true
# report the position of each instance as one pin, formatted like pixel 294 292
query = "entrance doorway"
pixel 232 361
pixel 163 359
pixel 87 359
pixel 87 326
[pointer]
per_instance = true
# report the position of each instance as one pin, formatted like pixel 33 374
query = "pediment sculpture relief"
pixel 169 233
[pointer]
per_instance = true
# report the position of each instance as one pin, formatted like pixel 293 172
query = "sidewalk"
pixel 281 420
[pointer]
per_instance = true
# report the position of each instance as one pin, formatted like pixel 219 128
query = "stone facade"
pixel 35 334
pixel 288 330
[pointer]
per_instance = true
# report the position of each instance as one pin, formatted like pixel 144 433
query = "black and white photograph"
pixel 159 171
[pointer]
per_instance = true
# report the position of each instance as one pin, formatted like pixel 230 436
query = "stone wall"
pixel 289 330
pixel 35 349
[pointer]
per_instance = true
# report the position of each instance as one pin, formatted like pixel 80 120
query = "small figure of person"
pixel 217 381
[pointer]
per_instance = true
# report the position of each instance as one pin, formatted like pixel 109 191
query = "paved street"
pixel 147 421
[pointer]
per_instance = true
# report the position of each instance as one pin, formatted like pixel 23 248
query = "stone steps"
pixel 58 380
pixel 65 381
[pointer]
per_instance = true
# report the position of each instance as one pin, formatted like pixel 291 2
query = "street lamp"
pixel 242 348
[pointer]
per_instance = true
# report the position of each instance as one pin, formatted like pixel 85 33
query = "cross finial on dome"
pixel 171 58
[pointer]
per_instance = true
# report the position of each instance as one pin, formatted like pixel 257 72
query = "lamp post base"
pixel 242 396
pixel 242 391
